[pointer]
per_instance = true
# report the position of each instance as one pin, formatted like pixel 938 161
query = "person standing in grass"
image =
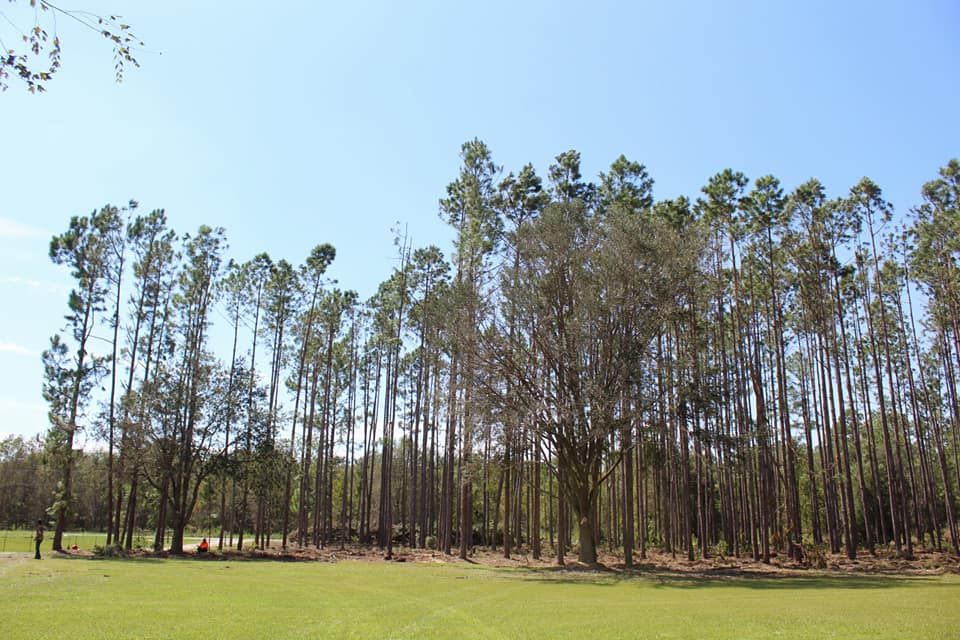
pixel 38 538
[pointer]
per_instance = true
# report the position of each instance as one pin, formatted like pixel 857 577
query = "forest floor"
pixel 884 562
pixel 69 596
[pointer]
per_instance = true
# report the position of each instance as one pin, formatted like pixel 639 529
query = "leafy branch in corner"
pixel 35 60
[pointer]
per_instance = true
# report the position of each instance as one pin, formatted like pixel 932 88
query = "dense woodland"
pixel 751 371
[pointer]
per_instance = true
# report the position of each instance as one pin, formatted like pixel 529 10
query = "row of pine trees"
pixel 750 372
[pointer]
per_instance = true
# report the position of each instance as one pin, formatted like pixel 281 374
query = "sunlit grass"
pixel 176 598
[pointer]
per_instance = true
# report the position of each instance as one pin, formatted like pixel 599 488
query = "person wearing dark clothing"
pixel 38 538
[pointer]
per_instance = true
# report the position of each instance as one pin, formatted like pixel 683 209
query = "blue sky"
pixel 296 123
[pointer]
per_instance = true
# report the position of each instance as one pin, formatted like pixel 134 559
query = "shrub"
pixel 109 551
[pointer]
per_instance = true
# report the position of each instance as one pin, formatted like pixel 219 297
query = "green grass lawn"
pixel 83 598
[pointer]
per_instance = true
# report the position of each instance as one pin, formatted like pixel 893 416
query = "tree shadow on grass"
pixel 665 579
pixel 795 582
pixel 102 558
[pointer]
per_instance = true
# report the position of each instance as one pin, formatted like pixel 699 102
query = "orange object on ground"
pixel 203 547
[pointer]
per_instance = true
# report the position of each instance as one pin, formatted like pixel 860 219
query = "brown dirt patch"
pixel 656 563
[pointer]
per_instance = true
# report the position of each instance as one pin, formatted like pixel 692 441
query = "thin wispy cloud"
pixel 10 347
pixel 45 286
pixel 16 230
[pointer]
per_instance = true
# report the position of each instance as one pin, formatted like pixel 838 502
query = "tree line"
pixel 750 372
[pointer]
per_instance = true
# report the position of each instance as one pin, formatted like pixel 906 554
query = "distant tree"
pixel 627 185
pixel 154 265
pixel 310 282
pixel 232 291
pixel 256 275
pixel 69 381
pixel 566 181
pixel 26 481
pixel 934 258
pixel 521 198
pixel 115 238
pixel 470 208
pixel 596 291
pixel 280 302
pixel 199 393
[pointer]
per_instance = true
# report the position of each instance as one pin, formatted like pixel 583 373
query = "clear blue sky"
pixel 295 123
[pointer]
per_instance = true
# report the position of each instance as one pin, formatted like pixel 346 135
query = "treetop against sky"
pixel 299 124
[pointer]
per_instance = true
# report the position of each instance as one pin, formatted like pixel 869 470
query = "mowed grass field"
pixel 61 597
